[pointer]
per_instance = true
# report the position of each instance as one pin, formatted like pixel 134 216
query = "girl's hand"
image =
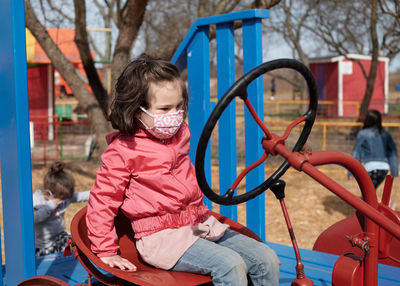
pixel 118 261
pixel 57 201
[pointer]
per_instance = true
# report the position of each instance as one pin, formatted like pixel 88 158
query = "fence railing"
pixel 44 138
pixel 52 139
pixel 279 103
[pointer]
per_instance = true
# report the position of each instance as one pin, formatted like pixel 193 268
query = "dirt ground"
pixel 311 207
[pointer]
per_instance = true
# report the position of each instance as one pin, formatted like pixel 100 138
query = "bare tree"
pixel 374 54
pixel 364 27
pixel 128 19
pixel 86 99
pixel 82 42
pixel 168 21
pixel 389 23
pixel 165 26
pixel 290 20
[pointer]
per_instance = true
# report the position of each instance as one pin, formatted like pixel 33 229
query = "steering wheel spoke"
pixel 238 89
pixel 257 118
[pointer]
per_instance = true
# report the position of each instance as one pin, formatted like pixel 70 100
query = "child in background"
pixel 147 173
pixel 272 87
pixel 49 205
pixel 374 147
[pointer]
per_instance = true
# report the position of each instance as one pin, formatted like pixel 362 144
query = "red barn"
pixel 340 80
pixel 42 84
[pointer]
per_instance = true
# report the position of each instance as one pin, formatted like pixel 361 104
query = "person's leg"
pixel 261 261
pixel 46 250
pixel 61 241
pixel 58 245
pixel 377 177
pixel 225 266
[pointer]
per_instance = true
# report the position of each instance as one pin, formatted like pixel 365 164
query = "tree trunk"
pixel 131 20
pixel 372 72
pixel 374 64
pixel 82 42
pixel 86 99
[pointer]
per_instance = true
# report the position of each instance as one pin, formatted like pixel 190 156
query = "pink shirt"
pixel 164 248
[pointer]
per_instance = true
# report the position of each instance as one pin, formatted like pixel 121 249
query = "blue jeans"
pixel 230 259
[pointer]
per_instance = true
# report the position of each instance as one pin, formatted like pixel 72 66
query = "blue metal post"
pixel 198 65
pixel 252 57
pixel 227 122
pixel 193 53
pixel 15 153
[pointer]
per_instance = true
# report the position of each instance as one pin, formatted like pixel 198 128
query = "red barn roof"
pixel 64 38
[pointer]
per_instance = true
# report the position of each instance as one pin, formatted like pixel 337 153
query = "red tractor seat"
pixel 145 274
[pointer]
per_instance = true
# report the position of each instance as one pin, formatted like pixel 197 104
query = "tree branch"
pixel 130 22
pixel 59 61
pixel 59 11
pixel 66 69
pixel 96 50
pixel 81 40
pixel 101 9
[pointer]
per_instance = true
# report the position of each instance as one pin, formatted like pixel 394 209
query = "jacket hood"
pixel 111 136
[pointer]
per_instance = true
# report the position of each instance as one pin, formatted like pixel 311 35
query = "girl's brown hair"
pixel 60 183
pixel 131 90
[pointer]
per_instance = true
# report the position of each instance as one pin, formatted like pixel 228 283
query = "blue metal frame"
pixel 14 120
pixel 15 154
pixel 252 57
pixel 193 53
pixel 198 55
pixel 179 57
pixel 227 122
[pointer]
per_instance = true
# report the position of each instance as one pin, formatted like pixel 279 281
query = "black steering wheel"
pixel 239 88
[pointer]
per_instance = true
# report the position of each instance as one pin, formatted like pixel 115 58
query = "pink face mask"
pixel 165 125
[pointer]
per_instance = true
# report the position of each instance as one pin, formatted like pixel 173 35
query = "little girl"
pixel 147 173
pixel 49 205
pixel 375 148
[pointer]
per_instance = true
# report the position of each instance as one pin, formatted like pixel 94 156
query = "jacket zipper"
pixel 174 158
pixel 173 166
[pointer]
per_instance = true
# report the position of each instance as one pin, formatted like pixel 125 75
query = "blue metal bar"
pixel 198 77
pixel 234 16
pixel 179 57
pixel 252 57
pixel 15 154
pixel 198 65
pixel 227 122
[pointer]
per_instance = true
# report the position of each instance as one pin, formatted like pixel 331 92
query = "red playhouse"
pixel 44 82
pixel 341 81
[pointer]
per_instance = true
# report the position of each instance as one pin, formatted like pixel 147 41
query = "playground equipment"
pixel 377 222
pixel 145 274
pixel 193 54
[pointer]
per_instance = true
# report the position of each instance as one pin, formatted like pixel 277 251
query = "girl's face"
pixel 164 97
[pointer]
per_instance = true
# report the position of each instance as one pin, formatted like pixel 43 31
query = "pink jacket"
pixel 153 182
